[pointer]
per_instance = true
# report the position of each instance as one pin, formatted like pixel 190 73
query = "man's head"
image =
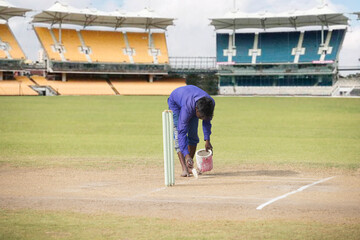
pixel 204 108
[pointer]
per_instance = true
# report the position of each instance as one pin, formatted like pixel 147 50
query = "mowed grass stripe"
pixel 31 224
pixel 123 130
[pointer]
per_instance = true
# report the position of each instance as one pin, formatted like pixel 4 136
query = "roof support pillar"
pixel 233 39
pixel 60 33
pixel 151 78
pixel 150 40
pixel 63 77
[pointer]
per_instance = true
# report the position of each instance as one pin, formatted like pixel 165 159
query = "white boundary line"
pixel 293 192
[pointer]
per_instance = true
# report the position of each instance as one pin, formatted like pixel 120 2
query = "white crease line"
pixel 225 197
pixel 252 180
pixel 272 180
pixel 293 192
pixel 148 193
pixel 249 177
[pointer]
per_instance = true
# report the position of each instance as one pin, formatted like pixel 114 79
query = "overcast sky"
pixel 192 35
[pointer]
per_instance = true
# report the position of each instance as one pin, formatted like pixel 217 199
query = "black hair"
pixel 205 107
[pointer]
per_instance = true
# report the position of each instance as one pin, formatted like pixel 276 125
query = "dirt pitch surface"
pixel 228 194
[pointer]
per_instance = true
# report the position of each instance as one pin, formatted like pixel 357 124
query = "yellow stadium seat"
pixel 19 87
pixel 159 40
pixel 2 54
pixel 10 88
pixel 46 42
pixel 140 42
pixel 25 84
pixel 71 42
pixel 7 36
pixel 39 79
pixel 106 46
pixel 77 86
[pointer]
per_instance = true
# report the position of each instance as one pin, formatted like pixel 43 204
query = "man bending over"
pixel 189 104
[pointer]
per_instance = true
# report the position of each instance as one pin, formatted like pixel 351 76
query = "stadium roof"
pixel 61 13
pixel 8 11
pixel 358 13
pixel 320 16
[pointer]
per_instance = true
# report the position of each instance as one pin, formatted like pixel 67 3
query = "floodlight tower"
pixel 323 4
pixel 234 30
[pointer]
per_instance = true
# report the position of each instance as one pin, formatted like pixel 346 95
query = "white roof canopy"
pixel 8 11
pixel 320 16
pixel 147 19
pixel 61 13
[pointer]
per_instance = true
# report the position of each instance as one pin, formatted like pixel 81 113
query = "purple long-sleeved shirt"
pixel 182 101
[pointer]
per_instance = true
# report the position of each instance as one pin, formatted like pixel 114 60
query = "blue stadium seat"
pixel 312 41
pixel 277 47
pixel 335 42
pixel 222 43
pixel 243 42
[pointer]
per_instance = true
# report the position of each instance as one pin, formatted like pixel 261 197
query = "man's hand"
pixel 189 161
pixel 208 145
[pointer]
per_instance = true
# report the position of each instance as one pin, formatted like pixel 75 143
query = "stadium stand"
pixel 40 80
pixel 81 62
pixel 311 44
pixel 9 47
pixel 77 86
pixel 279 63
pixel 107 47
pixel 243 43
pixel 47 43
pixel 10 88
pixel 336 41
pixel 71 45
pixel 103 46
pixel 276 47
pixel 159 41
pixel 18 87
pixel 222 43
pixel 346 87
pixel 3 48
pixel 142 87
pixel 97 62
pixel 140 43
pixel 129 86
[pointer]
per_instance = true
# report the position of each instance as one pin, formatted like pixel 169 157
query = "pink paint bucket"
pixel 204 160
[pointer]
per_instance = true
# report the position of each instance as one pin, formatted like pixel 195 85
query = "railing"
pixel 107 68
pixel 193 63
pixel 349 68
pixel 275 69
pixel 9 65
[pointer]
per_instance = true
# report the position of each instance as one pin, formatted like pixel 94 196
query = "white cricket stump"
pixel 168 141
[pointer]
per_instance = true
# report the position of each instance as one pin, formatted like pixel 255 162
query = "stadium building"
pixel 255 57
pixel 89 52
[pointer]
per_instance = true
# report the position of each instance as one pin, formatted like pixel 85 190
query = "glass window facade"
pixel 277 80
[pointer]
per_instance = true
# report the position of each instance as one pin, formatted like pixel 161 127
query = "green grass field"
pixel 110 132
pixel 105 133
pixel 38 225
